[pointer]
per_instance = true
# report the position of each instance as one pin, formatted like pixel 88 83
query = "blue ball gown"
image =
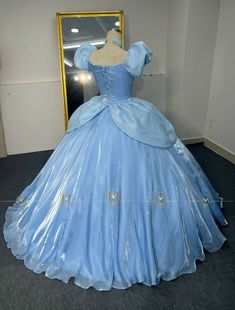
pixel 120 200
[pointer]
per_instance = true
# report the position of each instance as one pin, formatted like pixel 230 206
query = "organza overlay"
pixel 120 200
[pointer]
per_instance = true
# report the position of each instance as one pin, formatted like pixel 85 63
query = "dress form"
pixel 111 53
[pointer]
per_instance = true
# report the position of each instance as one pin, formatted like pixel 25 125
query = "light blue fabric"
pixel 138 118
pixel 81 55
pixel 138 55
pixel 109 210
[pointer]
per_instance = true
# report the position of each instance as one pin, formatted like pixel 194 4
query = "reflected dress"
pixel 120 200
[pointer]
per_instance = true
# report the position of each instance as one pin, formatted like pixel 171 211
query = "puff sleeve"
pixel 82 54
pixel 138 55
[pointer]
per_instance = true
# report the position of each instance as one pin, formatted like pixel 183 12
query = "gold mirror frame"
pixel 59 17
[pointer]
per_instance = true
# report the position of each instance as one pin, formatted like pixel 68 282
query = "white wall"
pixel 32 116
pixel 175 55
pixel 220 126
pixel 31 101
pixel 192 27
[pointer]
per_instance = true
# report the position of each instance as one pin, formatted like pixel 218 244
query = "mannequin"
pixel 111 53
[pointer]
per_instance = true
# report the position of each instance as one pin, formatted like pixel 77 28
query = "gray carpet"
pixel 212 286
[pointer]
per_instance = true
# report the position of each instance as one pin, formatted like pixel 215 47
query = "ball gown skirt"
pixel 153 223
pixel 120 200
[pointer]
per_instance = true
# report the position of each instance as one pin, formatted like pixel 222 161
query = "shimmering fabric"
pixel 138 118
pixel 109 210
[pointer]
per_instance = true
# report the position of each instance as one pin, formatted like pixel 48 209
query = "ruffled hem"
pixel 85 283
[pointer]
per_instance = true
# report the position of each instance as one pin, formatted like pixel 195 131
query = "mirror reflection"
pixel 79 86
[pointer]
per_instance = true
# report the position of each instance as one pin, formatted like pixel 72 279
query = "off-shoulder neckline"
pixel 115 65
pixel 119 64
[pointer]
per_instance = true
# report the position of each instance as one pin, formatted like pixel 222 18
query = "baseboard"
pixel 192 140
pixel 219 150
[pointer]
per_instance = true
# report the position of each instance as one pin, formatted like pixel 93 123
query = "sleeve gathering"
pixel 138 55
pixel 82 54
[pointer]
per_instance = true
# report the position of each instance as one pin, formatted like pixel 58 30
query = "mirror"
pixel 73 30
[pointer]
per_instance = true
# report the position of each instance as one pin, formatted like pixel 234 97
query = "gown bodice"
pixel 114 82
pixel 138 118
